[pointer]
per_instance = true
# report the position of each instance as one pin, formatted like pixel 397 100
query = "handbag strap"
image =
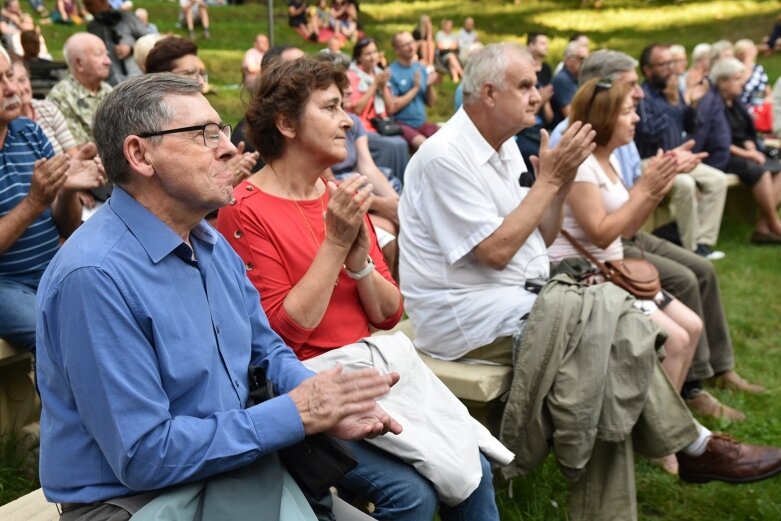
pixel 583 251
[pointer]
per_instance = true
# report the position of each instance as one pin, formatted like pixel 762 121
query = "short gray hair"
pixel 700 51
pixel 488 65
pixel 719 47
pixel 135 106
pixel 742 47
pixel 725 69
pixel 678 50
pixel 572 49
pixel 606 64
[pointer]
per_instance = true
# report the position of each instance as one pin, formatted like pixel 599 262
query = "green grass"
pixel 18 468
pixel 750 276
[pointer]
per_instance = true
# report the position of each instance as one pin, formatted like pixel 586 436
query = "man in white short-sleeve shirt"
pixel 470 234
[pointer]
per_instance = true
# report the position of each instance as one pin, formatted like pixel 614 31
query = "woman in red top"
pixel 311 252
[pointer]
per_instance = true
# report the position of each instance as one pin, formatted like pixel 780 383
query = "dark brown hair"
pixel 165 52
pixel 599 104
pixel 283 90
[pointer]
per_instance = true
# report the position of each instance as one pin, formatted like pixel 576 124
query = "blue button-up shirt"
pixel 142 360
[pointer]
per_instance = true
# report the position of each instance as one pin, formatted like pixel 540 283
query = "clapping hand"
pixel 559 165
pixel 347 207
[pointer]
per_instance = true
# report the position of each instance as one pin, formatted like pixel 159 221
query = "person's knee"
pixel 684 188
pixel 678 342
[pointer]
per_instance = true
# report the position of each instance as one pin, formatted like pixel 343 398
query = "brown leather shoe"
pixel 727 460
pixel 732 380
pixel 705 404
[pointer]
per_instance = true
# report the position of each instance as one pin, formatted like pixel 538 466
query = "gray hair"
pixel 725 69
pixel 742 47
pixel 606 64
pixel 488 65
pixel 700 51
pixel 135 106
pixel 678 50
pixel 572 49
pixel 719 47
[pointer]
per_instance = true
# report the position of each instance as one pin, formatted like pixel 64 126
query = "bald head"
pixel 87 59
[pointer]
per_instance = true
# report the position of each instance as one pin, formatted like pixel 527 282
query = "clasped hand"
pixel 345 218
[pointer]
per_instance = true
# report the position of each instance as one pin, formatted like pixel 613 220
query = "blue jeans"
pixel 399 493
pixel 17 309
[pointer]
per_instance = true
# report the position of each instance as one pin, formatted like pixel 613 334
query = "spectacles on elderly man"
pixel 210 131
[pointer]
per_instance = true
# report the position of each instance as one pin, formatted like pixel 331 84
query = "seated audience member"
pixel 777 108
pixel 52 122
pixel 298 18
pixel 467 38
pixel 323 14
pixel 447 49
pixel 720 50
pixel 276 53
pixel 79 94
pixel 727 133
pixel 698 195
pixel 600 210
pixel 700 66
pixel 29 41
pixel 757 86
pixel 10 21
pixel 345 19
pixel 143 16
pixel 680 64
pixel 528 139
pixel 689 277
pixel 423 33
pixel 334 52
pixel 180 56
pixel 581 38
pixel 468 248
pixel 143 46
pixel 119 30
pixel 565 83
pixel 66 12
pixel 122 428
pixel 412 87
pixel 250 65
pixel 188 7
pixel 39 205
pixel 324 284
pixel 371 98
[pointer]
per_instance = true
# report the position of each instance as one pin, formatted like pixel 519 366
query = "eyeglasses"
pixel 664 65
pixel 210 131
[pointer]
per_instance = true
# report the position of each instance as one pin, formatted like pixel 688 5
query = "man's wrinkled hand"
pixel 331 397
pixel 369 425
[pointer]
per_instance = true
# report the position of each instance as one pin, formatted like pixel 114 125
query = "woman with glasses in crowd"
pixel 312 253
pixel 600 210
pixel 371 98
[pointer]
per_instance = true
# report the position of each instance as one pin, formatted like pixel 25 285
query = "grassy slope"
pixel 749 276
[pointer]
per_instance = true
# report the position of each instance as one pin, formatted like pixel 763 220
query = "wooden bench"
pixel 480 387
pixel 19 404
pixel 32 507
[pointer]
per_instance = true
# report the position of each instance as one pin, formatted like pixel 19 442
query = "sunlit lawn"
pixel 750 276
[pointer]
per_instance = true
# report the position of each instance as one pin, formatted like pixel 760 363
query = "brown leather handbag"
pixel 637 276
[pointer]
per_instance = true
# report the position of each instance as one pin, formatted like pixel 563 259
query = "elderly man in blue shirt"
pixel 147 327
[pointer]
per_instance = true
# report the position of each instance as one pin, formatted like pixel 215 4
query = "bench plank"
pixel 32 507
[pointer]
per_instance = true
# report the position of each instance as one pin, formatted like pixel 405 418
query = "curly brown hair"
pixel 283 91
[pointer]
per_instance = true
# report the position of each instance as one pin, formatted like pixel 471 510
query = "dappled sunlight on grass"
pixel 649 17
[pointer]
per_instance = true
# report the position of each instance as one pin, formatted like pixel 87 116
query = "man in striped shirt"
pixel 37 206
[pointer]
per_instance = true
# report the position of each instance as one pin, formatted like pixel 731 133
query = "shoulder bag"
pixel 637 276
